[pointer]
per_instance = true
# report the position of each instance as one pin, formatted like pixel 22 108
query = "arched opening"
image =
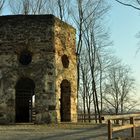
pixel 65 103
pixel 65 61
pixel 25 100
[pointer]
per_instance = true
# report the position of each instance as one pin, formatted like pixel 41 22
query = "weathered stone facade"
pixel 37 70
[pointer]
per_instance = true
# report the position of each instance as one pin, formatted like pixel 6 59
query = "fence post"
pixel 109 130
pixel 133 128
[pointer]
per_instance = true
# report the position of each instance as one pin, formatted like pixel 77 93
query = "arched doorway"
pixel 65 103
pixel 24 100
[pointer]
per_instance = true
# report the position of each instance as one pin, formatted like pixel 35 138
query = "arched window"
pixel 65 61
pixel 65 103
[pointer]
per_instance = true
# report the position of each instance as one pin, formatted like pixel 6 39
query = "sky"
pixel 124 23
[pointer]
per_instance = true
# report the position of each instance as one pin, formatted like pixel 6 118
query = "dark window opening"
pixel 25 100
pixel 65 61
pixel 25 57
pixel 65 104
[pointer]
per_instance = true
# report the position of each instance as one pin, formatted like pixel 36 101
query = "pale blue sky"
pixel 124 24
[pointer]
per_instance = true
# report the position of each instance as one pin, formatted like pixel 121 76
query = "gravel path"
pixel 57 132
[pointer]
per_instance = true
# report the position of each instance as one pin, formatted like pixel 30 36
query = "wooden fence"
pixel 132 124
pixel 85 117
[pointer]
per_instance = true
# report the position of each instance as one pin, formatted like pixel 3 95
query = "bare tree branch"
pixel 2 2
pixel 138 1
pixel 38 6
pixel 20 6
pixel 129 5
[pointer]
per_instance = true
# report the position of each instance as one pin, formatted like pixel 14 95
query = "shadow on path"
pixel 78 134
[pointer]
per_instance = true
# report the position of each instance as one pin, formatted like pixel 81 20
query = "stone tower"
pixel 38 81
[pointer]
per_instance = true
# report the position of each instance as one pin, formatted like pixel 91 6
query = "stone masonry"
pixel 38 81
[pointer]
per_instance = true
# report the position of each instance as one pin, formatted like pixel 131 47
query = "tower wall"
pixel 44 39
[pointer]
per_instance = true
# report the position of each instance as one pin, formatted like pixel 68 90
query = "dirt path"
pixel 57 132
pixel 53 132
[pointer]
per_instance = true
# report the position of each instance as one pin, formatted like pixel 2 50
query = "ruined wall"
pixel 65 45
pixel 42 37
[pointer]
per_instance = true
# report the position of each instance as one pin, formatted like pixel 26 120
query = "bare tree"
pixel 87 22
pixel 93 36
pixel 85 86
pixel 119 88
pixel 87 10
pixel 61 10
pixel 38 6
pixel 28 6
pixel 79 20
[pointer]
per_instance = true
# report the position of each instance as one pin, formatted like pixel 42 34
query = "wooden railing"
pixel 130 117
